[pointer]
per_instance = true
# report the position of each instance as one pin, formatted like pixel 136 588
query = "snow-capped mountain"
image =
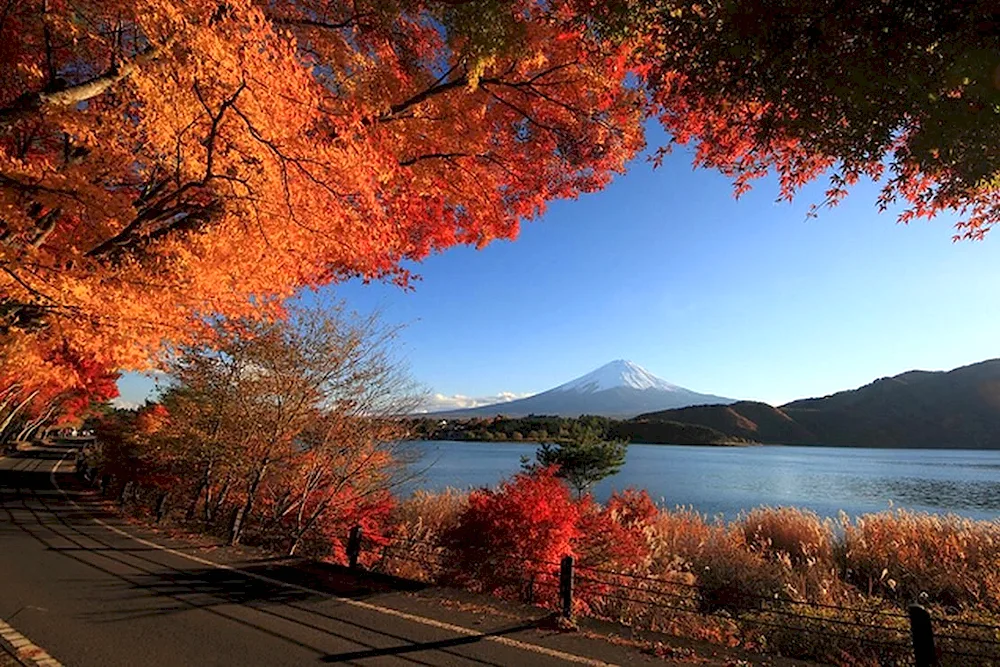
pixel 617 389
pixel 619 373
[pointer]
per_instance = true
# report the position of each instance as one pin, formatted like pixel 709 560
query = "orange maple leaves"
pixel 207 159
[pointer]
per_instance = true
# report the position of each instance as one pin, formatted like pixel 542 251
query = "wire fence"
pixel 883 633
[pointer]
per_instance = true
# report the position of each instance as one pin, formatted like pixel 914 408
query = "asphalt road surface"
pixel 92 590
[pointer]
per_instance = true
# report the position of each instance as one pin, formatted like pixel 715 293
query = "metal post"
pixel 923 637
pixel 566 586
pixel 161 507
pixel 354 547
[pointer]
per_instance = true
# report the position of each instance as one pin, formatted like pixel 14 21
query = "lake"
pixel 727 480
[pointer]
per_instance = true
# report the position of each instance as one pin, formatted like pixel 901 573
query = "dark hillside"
pixel 958 408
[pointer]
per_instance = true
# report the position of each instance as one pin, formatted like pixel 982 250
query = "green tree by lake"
pixel 584 459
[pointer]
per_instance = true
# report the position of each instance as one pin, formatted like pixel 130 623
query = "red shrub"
pixel 615 537
pixel 518 532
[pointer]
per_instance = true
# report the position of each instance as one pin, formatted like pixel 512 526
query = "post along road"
pixel 81 587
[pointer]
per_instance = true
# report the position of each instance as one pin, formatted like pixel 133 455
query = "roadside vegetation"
pixel 778 580
pixel 282 434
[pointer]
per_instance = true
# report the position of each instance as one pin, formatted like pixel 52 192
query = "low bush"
pixel 516 534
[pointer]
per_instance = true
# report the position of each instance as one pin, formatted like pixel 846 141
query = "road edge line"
pixel 413 618
pixel 25 649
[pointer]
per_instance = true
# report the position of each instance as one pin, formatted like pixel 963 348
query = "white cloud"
pixel 124 404
pixel 441 402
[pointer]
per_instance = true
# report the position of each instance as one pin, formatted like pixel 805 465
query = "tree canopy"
pixel 164 163
pixel 167 161
pixel 583 459
pixel 906 93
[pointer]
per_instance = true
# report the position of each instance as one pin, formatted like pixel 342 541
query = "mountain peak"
pixel 615 374
pixel 619 388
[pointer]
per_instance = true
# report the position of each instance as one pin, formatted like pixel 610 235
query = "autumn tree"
pixel 905 93
pixel 284 426
pixel 166 161
pixel 61 392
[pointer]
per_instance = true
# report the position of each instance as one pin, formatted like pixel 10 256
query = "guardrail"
pixel 895 633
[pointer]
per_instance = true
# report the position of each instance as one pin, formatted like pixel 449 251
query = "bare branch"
pixel 30 104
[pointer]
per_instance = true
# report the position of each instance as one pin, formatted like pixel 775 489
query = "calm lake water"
pixel 727 480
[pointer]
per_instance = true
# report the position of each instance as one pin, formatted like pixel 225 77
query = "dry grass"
pixel 903 556
pixel 414 550
pixel 785 533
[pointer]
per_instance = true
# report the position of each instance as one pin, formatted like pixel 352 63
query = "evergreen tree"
pixel 583 460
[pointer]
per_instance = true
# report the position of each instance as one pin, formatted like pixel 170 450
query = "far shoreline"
pixel 734 445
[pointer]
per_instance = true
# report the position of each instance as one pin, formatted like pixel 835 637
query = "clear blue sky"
pixel 743 298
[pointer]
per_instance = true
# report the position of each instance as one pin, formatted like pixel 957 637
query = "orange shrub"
pixel 617 535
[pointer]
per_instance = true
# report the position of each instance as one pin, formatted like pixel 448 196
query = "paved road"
pixel 90 593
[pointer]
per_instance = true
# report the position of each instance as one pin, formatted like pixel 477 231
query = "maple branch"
pixel 46 225
pixel 29 104
pixel 185 216
pixel 440 87
pixel 432 156
pixel 11 182
pixel 31 290
pixel 299 162
pixel 312 23
pixel 216 120
pixel 528 117
pixel 182 217
pixel 425 94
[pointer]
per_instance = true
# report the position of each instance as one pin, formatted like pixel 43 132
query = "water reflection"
pixel 930 493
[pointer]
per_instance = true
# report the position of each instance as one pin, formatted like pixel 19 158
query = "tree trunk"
pixel 203 486
pixel 126 492
pixel 212 509
pixel 10 417
pixel 239 521
pixel 301 530
pixel 35 424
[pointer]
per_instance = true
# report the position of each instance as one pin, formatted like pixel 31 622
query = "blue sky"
pixel 743 298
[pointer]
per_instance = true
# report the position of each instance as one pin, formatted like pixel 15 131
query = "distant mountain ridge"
pixel 953 409
pixel 620 389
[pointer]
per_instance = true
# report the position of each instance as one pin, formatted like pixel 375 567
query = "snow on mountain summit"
pixel 618 373
pixel 620 389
